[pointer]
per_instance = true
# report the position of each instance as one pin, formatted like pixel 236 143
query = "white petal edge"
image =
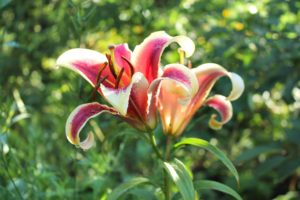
pixel 119 98
pixel 89 141
pixel 237 82
pixel 191 91
pixel 184 42
pixel 226 104
pixel 67 58
pixel 238 86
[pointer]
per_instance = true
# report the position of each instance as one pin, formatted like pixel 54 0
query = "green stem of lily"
pixel 166 158
pixel 166 177
pixel 154 146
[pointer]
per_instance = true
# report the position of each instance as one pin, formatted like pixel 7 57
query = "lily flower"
pixel 122 78
pixel 181 91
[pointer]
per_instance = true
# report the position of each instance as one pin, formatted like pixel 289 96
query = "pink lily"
pixel 122 78
pixel 181 91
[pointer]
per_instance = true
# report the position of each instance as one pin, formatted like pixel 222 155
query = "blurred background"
pixel 260 40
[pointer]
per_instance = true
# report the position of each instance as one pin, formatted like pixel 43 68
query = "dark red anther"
pixel 130 65
pixel 119 78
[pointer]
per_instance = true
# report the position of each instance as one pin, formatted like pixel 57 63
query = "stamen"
pixel 119 78
pixel 99 81
pixel 130 65
pixel 181 56
pixel 111 66
pixel 100 71
pixel 111 47
pixel 190 64
pixel 97 87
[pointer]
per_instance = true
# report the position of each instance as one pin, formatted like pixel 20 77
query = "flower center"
pixel 119 72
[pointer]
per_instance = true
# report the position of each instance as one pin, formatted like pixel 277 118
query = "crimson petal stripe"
pixel 146 56
pixel 79 117
pixel 224 108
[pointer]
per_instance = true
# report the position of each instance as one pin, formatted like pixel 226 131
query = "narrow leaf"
pixel 181 178
pixel 123 188
pixel 4 3
pixel 213 185
pixel 256 151
pixel 214 150
pixel 269 165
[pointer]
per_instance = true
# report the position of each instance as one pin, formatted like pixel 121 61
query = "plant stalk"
pixel 166 177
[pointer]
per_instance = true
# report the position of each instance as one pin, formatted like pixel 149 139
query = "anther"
pixel 130 65
pixel 111 47
pixel 119 78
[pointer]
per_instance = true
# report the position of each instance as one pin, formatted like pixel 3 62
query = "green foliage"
pixel 123 188
pixel 181 177
pixel 214 150
pixel 213 185
pixel 257 39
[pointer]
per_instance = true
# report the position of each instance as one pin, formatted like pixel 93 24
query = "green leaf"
pixel 213 185
pixel 181 177
pixel 214 150
pixel 251 153
pixel 293 136
pixel 269 165
pixel 4 3
pixel 288 168
pixel 123 188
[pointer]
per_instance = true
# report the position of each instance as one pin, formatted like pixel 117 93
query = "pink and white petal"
pixel 119 98
pixel 146 56
pixel 86 62
pixel 79 117
pixel 186 84
pixel 238 86
pixel 122 50
pixel 224 108
pixel 209 73
pixel 139 106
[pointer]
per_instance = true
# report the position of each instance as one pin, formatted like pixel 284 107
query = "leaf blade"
pixel 182 179
pixel 214 150
pixel 214 185
pixel 123 188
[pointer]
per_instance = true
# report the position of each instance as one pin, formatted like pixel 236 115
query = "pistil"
pixel 111 66
pixel 181 56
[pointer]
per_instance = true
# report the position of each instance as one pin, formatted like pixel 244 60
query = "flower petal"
pixel 175 88
pixel 207 75
pixel 119 98
pixel 238 86
pixel 122 50
pixel 223 106
pixel 79 117
pixel 87 63
pixel 180 74
pixel 146 56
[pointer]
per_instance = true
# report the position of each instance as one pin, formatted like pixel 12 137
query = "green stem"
pixel 166 158
pixel 166 177
pixel 153 144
